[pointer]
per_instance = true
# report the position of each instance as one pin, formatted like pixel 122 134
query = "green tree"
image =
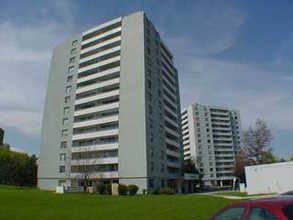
pixel 257 140
pixel 17 168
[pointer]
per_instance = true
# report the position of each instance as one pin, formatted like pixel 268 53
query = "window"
pixel 66 110
pixel 61 169
pixel 162 154
pixel 231 213
pixel 72 60
pixel 163 183
pixel 68 89
pixel 152 151
pixel 196 113
pixel 149 51
pixel 70 70
pixel 74 43
pixel 63 144
pixel 148 40
pixel 198 135
pixel 65 121
pixel 161 129
pixel 61 182
pixel 151 136
pixel 151 123
pixel 150 97
pixel 73 51
pixel 69 79
pixel 260 214
pixel 152 166
pixel 207 124
pixel 208 130
pixel 67 99
pixel 149 84
pixel 62 157
pixel 162 168
pixel 150 109
pixel 64 133
pixel 151 183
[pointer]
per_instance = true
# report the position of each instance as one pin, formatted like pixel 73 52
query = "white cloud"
pixel 255 92
pixel 27 121
pixel 205 28
pixel 24 58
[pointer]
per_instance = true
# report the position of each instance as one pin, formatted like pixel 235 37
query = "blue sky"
pixel 229 53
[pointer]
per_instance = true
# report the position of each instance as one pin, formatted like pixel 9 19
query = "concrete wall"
pixel 132 111
pixel 50 146
pixel 269 178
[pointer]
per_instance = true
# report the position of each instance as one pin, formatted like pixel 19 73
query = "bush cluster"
pixel 122 189
pixel 104 189
pixel 167 191
pixel 164 191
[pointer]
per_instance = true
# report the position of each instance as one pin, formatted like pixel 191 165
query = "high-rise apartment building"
pixel 211 136
pixel 112 109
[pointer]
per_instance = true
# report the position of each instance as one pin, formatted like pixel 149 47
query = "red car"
pixel 275 208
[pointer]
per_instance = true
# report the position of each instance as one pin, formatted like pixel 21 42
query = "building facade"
pixel 1 136
pixel 211 136
pixel 112 109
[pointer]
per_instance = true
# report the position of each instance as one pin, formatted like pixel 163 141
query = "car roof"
pixel 280 201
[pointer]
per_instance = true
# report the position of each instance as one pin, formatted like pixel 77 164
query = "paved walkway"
pixel 217 194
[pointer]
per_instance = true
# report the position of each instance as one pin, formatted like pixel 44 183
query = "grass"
pixel 30 204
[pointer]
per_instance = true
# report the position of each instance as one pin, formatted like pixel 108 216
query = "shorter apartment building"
pixel 211 136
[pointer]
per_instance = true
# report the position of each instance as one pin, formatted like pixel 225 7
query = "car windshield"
pixel 288 211
pixel 234 213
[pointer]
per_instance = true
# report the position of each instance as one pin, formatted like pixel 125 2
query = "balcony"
pixel 96 147
pixel 173 153
pixel 100 36
pixel 97 134
pixel 171 142
pixel 97 97
pixel 94 161
pixel 97 109
pixel 100 45
pixel 100 54
pixel 99 75
pixel 173 164
pixel 99 64
pixel 102 120
pixel 98 175
pixel 98 85
pixel 170 131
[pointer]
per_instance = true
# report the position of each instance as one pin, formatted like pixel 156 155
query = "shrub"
pixel 144 191
pixel 101 188
pixel 167 191
pixel 132 189
pixel 108 189
pixel 153 191
pixel 122 189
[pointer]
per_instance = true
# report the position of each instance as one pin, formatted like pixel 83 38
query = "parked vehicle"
pixel 287 193
pixel 275 208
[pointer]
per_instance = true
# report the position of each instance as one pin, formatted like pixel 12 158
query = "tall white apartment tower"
pixel 211 136
pixel 112 97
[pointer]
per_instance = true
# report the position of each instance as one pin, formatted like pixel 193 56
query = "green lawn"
pixel 33 204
